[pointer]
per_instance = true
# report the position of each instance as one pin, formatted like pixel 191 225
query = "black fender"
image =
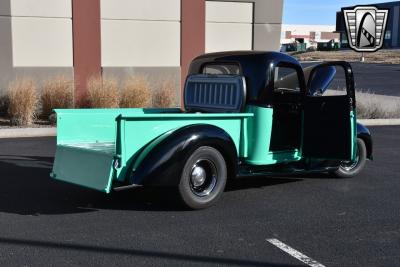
pixel 163 164
pixel 365 135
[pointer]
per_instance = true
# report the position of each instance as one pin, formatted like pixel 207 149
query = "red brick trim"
pixel 193 33
pixel 87 44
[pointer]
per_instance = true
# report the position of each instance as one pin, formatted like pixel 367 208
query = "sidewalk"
pixel 380 122
pixel 27 132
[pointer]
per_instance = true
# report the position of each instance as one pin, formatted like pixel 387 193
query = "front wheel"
pixel 203 178
pixel 348 169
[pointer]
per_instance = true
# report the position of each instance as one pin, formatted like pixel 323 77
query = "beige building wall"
pixel 164 10
pixel 41 33
pixel 36 39
pixel 142 38
pixel 267 36
pixel 137 36
pixel 229 26
pixel 129 43
pixel 137 33
pixel 41 8
pixel 6 61
pixel 42 42
pixel 266 25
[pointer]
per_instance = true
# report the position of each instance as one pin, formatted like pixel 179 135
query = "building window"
pixel 388 35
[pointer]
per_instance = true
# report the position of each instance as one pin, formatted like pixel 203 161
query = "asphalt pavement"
pixel 381 79
pixel 337 222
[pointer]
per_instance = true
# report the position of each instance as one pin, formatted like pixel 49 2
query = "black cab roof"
pixel 256 66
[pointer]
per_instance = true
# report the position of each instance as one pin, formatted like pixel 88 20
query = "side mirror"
pixel 320 79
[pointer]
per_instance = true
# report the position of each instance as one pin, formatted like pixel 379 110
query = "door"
pixel 287 96
pixel 329 119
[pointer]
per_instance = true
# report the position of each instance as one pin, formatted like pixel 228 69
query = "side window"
pixel 286 79
pixel 224 69
pixel 328 81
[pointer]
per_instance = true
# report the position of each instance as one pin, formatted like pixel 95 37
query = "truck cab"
pixel 246 113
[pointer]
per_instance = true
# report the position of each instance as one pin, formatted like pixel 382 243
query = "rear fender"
pixel 162 165
pixel 365 135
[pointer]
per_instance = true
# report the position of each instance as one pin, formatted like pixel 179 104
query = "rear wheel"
pixel 348 169
pixel 203 178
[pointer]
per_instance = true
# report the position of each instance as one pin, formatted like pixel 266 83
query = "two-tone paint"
pixel 107 148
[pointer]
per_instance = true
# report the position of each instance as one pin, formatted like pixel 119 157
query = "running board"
pixel 126 187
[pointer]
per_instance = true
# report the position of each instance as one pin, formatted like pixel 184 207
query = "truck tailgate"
pixel 85 164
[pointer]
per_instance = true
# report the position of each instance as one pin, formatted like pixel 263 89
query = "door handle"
pixel 323 105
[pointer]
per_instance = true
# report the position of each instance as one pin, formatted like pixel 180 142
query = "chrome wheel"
pixel 348 169
pixel 203 177
pixel 349 165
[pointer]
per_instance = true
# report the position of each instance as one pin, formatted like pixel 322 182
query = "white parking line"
pixel 294 253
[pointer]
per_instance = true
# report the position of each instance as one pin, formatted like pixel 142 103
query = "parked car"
pixel 246 114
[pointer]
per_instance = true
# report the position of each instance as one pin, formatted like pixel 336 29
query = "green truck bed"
pixel 98 146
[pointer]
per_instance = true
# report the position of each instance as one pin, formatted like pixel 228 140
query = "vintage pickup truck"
pixel 245 114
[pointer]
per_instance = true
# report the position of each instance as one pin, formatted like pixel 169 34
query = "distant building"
pixel 392 34
pixel 308 34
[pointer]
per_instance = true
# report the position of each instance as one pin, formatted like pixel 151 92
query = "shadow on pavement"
pixel 26 188
pixel 258 182
pixel 137 253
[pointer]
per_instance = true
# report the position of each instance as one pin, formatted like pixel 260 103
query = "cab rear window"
pixel 221 69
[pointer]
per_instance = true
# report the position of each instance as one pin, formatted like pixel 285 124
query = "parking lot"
pixel 349 222
pixel 381 79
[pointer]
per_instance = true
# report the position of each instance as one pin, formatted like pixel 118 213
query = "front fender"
pixel 163 164
pixel 365 135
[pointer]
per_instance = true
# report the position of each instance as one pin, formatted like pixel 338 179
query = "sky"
pixel 320 12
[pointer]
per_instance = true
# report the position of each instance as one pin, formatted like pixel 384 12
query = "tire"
pixel 351 169
pixel 203 178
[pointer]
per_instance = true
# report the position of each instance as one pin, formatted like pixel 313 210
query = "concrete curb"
pixel 380 122
pixel 27 132
pixel 311 61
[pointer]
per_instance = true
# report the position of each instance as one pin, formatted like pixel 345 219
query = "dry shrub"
pixel 22 101
pixel 372 106
pixel 102 92
pixel 165 96
pixel 375 110
pixel 371 111
pixel 4 102
pixel 135 93
pixel 396 112
pixel 57 93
